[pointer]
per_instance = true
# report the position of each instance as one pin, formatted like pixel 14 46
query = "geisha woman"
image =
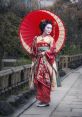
pixel 43 56
pixel 35 35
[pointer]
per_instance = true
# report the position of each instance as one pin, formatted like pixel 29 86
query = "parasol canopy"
pixel 29 28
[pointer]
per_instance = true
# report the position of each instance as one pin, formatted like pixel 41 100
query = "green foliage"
pixel 11 13
pixel 69 15
pixel 9 34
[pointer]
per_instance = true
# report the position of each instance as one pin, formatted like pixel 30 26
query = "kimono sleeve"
pixel 34 50
pixel 51 53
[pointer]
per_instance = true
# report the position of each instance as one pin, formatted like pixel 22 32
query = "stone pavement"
pixel 66 101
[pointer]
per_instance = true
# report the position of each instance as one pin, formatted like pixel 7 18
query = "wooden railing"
pixel 66 61
pixel 17 77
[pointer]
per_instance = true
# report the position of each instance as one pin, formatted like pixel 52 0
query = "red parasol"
pixel 29 28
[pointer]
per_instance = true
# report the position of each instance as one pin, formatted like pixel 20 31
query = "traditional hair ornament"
pixel 43 20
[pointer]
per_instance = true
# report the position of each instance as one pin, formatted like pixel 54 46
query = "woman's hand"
pixel 47 51
pixel 41 54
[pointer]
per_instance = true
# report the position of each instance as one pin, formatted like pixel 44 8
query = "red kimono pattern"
pixel 43 69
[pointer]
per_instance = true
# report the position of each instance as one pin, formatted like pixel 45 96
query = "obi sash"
pixel 45 48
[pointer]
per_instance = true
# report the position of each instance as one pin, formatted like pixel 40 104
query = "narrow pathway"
pixel 64 99
pixel 71 104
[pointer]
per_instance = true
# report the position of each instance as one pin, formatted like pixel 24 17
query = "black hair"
pixel 43 24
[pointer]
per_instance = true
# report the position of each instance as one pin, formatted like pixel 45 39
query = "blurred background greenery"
pixel 12 13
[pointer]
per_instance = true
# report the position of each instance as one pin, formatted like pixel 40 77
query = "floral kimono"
pixel 44 69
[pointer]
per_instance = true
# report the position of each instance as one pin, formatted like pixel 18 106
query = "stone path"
pixel 66 101
pixel 71 104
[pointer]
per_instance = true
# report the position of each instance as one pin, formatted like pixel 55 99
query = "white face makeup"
pixel 48 29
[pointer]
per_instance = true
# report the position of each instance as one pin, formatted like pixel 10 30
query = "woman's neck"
pixel 44 35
